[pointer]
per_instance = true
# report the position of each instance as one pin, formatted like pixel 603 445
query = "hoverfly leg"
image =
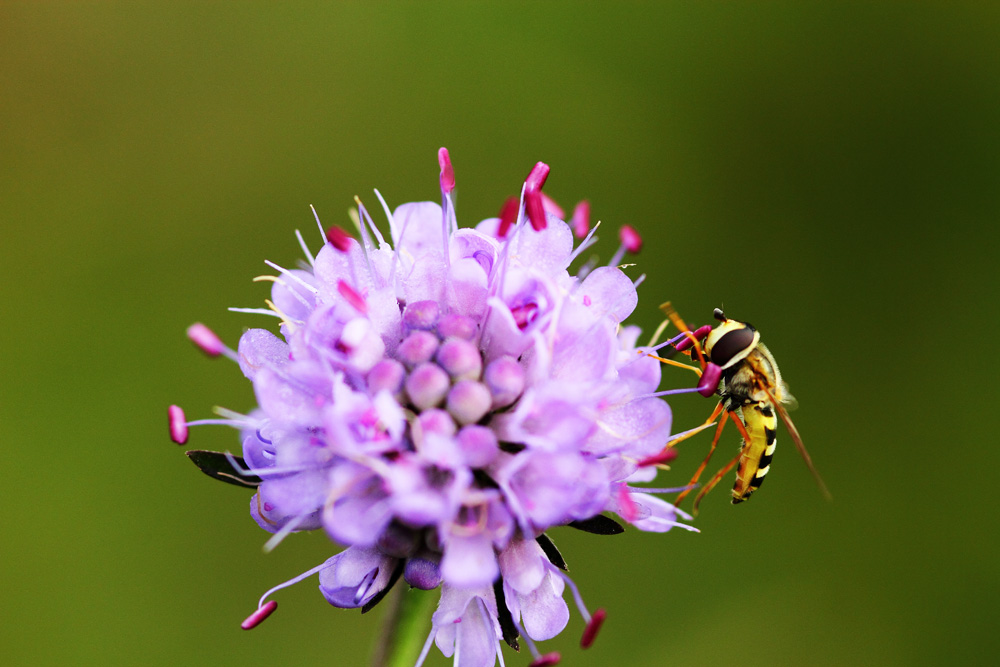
pixel 715 480
pixel 741 428
pixel 715 441
pixel 721 415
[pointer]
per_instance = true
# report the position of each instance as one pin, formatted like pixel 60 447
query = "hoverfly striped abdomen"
pixel 755 461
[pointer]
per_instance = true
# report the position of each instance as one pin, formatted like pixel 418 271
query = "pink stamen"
pixel 666 456
pixel 508 214
pixel 593 627
pixel 447 172
pixel 698 333
pixel 535 210
pixel 630 239
pixel 581 219
pixel 205 339
pixel 258 617
pixel 536 177
pixel 178 424
pixel 551 207
pixel 709 381
pixel 546 660
pixel 627 506
pixel 339 238
pixel 352 297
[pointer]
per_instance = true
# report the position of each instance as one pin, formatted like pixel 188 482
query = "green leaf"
pixel 599 525
pixel 218 466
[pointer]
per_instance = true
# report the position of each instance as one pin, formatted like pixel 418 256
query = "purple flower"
pixel 438 400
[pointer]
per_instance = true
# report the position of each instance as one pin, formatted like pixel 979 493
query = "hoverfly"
pixel 743 372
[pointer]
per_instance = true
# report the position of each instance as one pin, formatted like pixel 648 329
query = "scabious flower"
pixel 438 402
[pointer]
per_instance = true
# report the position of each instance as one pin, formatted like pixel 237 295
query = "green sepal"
pixel 218 466
pixel 551 552
pixel 599 525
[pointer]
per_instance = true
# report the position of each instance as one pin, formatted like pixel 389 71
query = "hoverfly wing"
pixel 789 402
pixel 797 439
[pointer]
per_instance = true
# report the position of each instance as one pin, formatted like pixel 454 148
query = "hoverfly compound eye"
pixel 719 315
pixel 734 345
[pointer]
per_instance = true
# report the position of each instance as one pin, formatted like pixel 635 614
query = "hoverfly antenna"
pixel 719 315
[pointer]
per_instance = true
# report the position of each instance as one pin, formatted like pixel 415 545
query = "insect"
pixel 751 393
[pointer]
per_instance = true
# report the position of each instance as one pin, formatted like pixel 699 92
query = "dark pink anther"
pixel 666 456
pixel 593 627
pixel 178 424
pixel 447 172
pixel 205 339
pixel 581 219
pixel 536 177
pixel 535 210
pixel 256 618
pixel 709 381
pixel 698 333
pixel 552 208
pixel 339 238
pixel 626 506
pixel 508 214
pixel 630 239
pixel 352 297
pixel 524 315
pixel 546 660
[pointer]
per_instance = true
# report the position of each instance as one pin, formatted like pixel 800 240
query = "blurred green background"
pixel 826 171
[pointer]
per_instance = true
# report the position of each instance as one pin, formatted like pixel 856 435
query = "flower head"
pixel 439 400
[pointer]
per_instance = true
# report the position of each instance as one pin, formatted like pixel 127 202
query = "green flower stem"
pixel 404 628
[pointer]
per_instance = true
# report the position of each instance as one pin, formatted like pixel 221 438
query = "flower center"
pixel 438 373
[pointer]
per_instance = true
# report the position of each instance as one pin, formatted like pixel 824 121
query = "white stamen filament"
pixel 292 582
pixel 291 275
pixel 264 472
pixel 524 635
pixel 676 489
pixel 366 239
pixel 388 214
pixel 305 248
pixel 576 595
pixel 285 531
pixel 588 241
pixel 276 279
pixel 322 232
pixel 220 422
pixel 371 223
pixel 254 311
pixel 231 414
pixel 659 332
pixel 617 257
pixel 668 392
pixel 426 648
pixel 447 212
